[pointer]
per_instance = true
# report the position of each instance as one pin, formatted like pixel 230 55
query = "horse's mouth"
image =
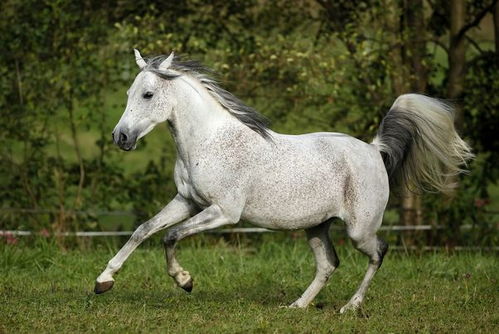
pixel 126 141
pixel 128 147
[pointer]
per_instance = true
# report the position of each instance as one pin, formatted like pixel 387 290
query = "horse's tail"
pixel 419 144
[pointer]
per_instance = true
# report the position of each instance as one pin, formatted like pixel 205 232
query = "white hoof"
pixel 297 304
pixel 104 277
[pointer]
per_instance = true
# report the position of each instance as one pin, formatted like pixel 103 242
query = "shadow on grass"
pixel 260 294
pixel 241 296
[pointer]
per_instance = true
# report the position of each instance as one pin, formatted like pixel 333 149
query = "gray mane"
pixel 245 114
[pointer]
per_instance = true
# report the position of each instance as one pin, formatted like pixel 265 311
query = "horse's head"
pixel 149 101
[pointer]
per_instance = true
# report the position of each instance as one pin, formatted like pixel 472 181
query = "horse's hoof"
pixel 350 307
pixel 101 287
pixel 296 304
pixel 188 286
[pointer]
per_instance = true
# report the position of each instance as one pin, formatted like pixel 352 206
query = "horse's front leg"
pixel 176 211
pixel 210 218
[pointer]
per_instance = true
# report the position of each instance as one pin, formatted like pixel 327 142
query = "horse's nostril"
pixel 123 137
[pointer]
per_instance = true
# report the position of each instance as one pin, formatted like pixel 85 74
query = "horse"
pixel 230 166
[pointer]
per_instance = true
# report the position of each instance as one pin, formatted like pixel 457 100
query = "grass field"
pixel 239 288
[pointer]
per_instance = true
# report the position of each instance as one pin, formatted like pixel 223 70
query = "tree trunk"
pixel 496 27
pixel 74 135
pixel 416 45
pixel 457 56
pixel 399 72
pixel 415 50
pixel 455 88
pixel 408 75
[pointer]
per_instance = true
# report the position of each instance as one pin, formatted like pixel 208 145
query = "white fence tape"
pixel 219 231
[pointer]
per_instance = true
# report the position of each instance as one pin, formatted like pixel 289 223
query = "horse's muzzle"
pixel 126 140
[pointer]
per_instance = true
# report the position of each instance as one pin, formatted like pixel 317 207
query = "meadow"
pixel 241 286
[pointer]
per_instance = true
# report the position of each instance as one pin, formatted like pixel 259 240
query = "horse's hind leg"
pixel 325 258
pixel 366 241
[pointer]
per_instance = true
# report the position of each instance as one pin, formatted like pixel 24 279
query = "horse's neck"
pixel 196 118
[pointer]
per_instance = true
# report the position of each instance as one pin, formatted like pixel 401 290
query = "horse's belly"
pixel 293 207
pixel 284 221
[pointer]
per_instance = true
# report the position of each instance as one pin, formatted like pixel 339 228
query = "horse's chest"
pixel 187 186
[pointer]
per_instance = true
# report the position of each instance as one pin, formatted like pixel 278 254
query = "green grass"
pixel 240 288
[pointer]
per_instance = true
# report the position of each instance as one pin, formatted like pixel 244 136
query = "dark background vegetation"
pixel 308 65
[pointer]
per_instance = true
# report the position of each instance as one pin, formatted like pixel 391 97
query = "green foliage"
pixel 482 105
pixel 468 206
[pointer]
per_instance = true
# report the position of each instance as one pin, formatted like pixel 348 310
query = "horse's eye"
pixel 147 95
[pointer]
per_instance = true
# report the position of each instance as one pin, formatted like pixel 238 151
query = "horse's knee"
pixel 138 235
pixel 141 232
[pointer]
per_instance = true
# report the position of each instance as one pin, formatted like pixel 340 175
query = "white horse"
pixel 230 166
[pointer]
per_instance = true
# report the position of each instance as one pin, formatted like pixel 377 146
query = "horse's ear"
pixel 138 59
pixel 165 64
